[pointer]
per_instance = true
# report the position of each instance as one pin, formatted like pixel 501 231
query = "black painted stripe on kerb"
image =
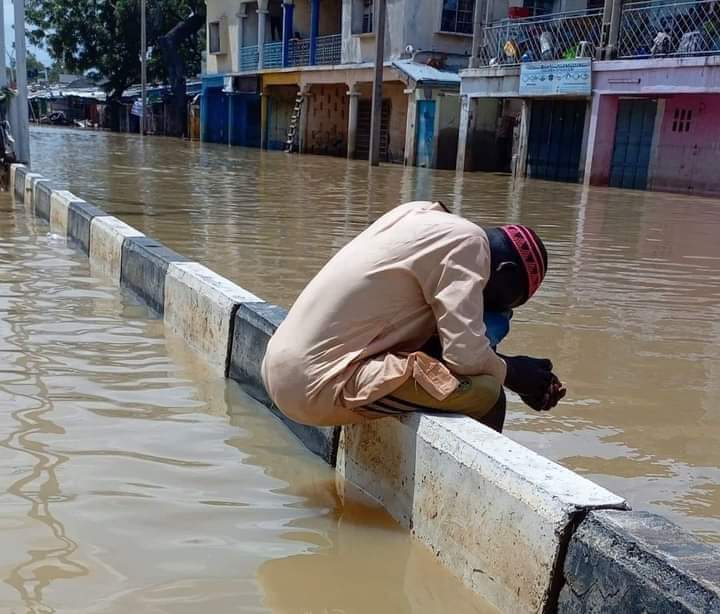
pixel 253 325
pixel 143 267
pixel 41 204
pixel 80 216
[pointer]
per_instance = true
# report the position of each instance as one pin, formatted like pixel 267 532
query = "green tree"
pixel 102 37
pixel 35 68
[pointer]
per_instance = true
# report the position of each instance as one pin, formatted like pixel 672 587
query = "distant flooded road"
pixel 134 481
pixel 630 312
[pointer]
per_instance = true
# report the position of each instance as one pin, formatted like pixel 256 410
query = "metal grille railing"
pixel 548 37
pixel 299 52
pixel 272 55
pixel 650 28
pixel 328 49
pixel 248 58
pixel 328 52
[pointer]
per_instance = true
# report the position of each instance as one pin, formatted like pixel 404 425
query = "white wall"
pixel 408 22
pixel 216 11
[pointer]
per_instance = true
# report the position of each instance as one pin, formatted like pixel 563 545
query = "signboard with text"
pixel 559 78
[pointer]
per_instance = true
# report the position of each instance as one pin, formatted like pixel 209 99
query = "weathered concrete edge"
pixel 143 268
pixel 107 235
pixel 20 184
pixel 200 306
pixel 638 562
pixel 495 513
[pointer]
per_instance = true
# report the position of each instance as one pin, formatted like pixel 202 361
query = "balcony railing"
pixel 548 37
pixel 657 29
pixel 272 55
pixel 327 52
pixel 248 58
pixel 328 49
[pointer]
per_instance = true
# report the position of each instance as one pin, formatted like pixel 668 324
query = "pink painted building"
pixel 649 118
pixel 655 124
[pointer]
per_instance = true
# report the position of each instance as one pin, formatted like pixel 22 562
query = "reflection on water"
pixel 629 312
pixel 126 487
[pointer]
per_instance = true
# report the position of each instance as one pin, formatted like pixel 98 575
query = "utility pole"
pixel 143 65
pixel 22 130
pixel 376 118
pixel 3 67
pixel 477 34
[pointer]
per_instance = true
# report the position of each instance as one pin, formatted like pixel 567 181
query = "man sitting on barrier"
pixel 405 318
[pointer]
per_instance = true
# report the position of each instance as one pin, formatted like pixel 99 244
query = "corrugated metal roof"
pixel 52 93
pixel 422 73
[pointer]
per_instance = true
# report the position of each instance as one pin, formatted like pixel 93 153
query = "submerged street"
pixel 628 311
pixel 135 480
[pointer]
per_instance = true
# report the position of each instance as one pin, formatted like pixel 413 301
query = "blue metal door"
pixel 555 139
pixel 425 133
pixel 214 116
pixel 633 143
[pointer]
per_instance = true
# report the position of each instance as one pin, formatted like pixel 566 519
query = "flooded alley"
pixel 629 313
pixel 132 479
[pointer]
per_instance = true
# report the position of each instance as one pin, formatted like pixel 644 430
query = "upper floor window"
pixel 362 16
pixel 457 16
pixel 214 37
pixel 367 16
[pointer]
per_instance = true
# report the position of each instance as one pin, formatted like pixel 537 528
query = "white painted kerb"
pixel 107 234
pixel 13 168
pixel 30 180
pixel 494 512
pixel 59 202
pixel 199 305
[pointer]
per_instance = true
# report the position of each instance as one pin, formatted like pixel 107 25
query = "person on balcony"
pixel 275 9
pixel 405 318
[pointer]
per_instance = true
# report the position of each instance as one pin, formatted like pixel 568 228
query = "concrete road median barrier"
pixel 107 235
pixel 620 562
pixel 200 305
pixel 41 199
pixel 495 513
pixel 255 323
pixel 80 217
pixel 145 262
pixel 60 201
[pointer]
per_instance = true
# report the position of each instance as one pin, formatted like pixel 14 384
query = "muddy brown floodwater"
pixel 630 311
pixel 132 480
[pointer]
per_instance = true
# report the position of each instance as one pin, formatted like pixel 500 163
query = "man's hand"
pixel 534 381
pixel 528 376
pixel 550 399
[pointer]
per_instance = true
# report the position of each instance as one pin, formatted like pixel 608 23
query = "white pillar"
pixel 262 13
pixel 354 96
pixel 410 127
pixel 22 130
pixel 463 131
pixel 520 167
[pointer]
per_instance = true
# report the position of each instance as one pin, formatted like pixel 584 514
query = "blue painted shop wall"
pixel 228 118
pixel 245 120
pixel 213 116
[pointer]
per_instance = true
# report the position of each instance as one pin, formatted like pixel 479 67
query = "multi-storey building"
pixel 301 71
pixel 616 93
